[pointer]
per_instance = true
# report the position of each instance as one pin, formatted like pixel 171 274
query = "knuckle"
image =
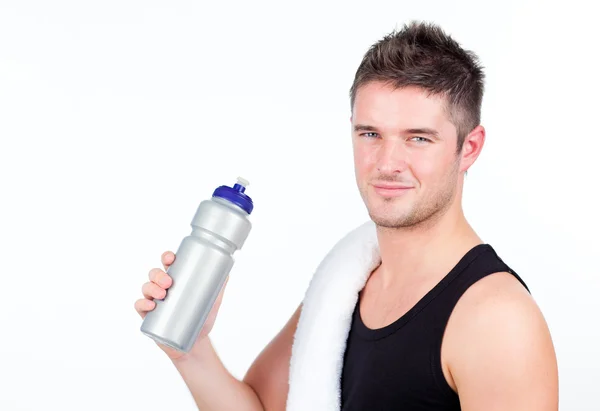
pixel 163 280
pixel 166 257
pixel 148 289
pixel 154 273
pixel 154 291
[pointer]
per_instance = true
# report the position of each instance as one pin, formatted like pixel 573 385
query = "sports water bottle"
pixel 202 263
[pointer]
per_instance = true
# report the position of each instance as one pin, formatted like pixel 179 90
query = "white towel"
pixel 320 339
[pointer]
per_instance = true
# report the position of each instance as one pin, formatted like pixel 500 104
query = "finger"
pixel 143 305
pixel 151 290
pixel 160 278
pixel 167 259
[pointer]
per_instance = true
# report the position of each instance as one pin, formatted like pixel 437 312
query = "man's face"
pixel 404 140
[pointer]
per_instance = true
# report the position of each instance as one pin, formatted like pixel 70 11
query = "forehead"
pixel 384 106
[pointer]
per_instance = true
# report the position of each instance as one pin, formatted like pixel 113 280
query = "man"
pixel 441 322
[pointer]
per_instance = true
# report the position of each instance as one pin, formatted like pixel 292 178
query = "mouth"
pixel 391 190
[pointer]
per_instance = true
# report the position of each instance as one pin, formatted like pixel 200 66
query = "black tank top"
pixel 398 367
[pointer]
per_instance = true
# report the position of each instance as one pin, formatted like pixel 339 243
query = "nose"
pixel 392 157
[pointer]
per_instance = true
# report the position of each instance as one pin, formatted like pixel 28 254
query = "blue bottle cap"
pixel 236 195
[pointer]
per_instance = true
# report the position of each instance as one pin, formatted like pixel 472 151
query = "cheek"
pixel 428 169
pixel 424 169
pixel 363 158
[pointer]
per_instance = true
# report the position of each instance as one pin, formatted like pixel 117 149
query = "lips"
pixel 391 186
pixel 391 190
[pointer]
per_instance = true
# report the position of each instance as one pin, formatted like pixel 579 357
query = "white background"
pixel 118 117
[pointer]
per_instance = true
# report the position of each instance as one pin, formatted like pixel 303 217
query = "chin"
pixel 389 221
pixel 387 217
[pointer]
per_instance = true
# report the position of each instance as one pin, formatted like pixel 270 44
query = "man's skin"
pixel 497 352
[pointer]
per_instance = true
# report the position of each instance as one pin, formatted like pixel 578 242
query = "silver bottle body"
pixel 202 263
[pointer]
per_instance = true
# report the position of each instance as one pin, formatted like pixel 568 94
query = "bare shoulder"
pixel 498 350
pixel 493 293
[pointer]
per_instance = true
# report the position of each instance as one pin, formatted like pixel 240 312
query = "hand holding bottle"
pixel 157 287
pixel 183 299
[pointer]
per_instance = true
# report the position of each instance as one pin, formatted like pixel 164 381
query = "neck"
pixel 414 254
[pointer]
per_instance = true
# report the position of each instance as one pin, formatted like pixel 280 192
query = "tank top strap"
pixel 485 261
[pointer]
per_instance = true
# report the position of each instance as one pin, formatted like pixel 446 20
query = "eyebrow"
pixel 422 130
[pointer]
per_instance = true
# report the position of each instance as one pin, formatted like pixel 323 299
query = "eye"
pixel 369 134
pixel 421 139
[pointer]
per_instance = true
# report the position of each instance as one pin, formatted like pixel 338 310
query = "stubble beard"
pixel 395 213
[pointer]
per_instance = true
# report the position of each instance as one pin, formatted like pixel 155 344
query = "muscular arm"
pixel 269 373
pixel 501 356
pixel 264 388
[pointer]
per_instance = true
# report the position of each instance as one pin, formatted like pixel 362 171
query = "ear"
pixel 472 147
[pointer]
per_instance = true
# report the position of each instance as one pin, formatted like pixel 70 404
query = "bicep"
pixel 269 373
pixel 507 359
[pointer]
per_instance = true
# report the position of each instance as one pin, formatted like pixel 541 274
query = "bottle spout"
pixel 241 184
pixel 236 194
